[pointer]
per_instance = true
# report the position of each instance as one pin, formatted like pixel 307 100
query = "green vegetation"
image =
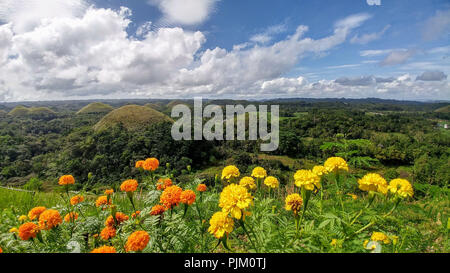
pixel 95 108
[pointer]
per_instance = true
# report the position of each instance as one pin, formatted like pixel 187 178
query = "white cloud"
pixel 373 2
pixel 185 12
pixel 397 57
pixel 268 34
pixel 437 26
pixel 366 38
pixel 432 76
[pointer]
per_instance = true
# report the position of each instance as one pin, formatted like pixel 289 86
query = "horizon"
pixel 257 49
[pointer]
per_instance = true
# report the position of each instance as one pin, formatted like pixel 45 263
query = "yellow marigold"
pixel 66 180
pixel 248 182
pixel 365 243
pixel 120 218
pixel 135 214
pixel 187 197
pixel 230 172
pixel 150 164
pixel 319 170
pixel 139 164
pixel 109 192
pixel 163 183
pixel 220 223
pixel 380 237
pixel 108 233
pixel 201 188
pixel 71 217
pixel 335 164
pixel 307 179
pixel 137 241
pixel 259 172
pixel 294 202
pixel 35 212
pixel 104 249
pixel 171 196
pixel 102 201
pixel 13 230
pixel 271 182
pixel 373 182
pixel 49 219
pixel 401 187
pixel 158 210
pixel 129 185
pixel 234 199
pixel 353 196
pixel 23 218
pixel 76 200
pixel 28 230
pixel 333 242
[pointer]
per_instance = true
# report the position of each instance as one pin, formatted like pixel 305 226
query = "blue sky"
pixel 224 48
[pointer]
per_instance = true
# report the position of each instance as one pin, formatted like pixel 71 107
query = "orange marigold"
pixel 109 192
pixel 102 201
pixel 171 196
pixel 1 250
pixel 151 164
pixel 201 187
pixel 120 218
pixel 137 241
pixel 139 164
pixel 77 199
pixel 158 210
pixel 35 212
pixel 28 230
pixel 66 180
pixel 104 249
pixel 135 214
pixel 49 219
pixel 129 185
pixel 163 183
pixel 187 197
pixel 108 233
pixel 71 217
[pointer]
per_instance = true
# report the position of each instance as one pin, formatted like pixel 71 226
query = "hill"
pixel 132 117
pixel 95 108
pixel 445 109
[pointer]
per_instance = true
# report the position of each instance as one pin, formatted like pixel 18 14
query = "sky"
pixel 236 49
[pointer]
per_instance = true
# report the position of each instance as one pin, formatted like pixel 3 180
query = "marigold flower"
pixel 353 196
pixel 135 214
pixel 171 196
pixel 71 217
pixel 13 230
pixel 335 164
pixel 35 212
pixel 108 233
pixel 220 223
pixel 271 182
pixel 380 237
pixel 102 201
pixel 104 249
pixel 76 200
pixel 137 241
pixel 1 250
pixel 294 202
pixel 120 218
pixel 187 197
pixel 158 210
pixel 248 182
pixel 129 185
pixel 373 182
pixel 201 188
pixel 139 164
pixel 66 180
pixel 307 179
pixel 163 183
pixel 150 164
pixel 28 230
pixel 49 219
pixel 23 218
pixel 259 172
pixel 401 187
pixel 109 192
pixel 234 199
pixel 229 172
pixel 333 242
pixel 319 170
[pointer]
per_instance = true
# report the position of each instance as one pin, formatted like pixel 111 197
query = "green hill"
pixel 19 111
pixel 445 109
pixel 33 112
pixel 95 108
pixel 155 106
pixel 132 117
pixel 171 104
pixel 3 113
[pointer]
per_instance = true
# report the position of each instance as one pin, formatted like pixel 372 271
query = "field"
pixel 367 183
